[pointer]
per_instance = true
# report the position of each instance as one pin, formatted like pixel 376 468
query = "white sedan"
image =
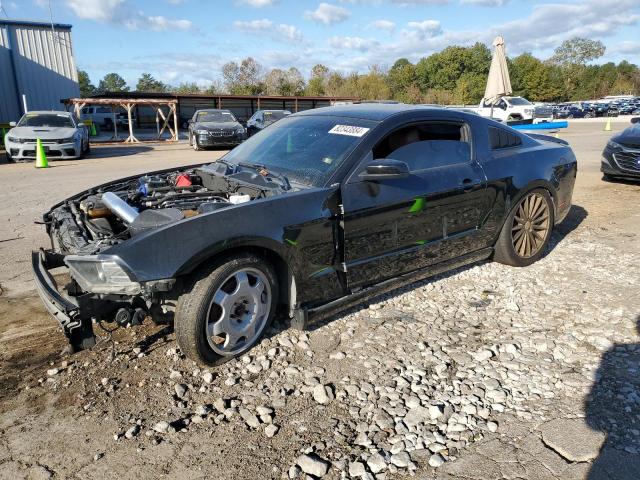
pixel 62 135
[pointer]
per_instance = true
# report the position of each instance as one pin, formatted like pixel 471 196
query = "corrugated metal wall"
pixel 45 69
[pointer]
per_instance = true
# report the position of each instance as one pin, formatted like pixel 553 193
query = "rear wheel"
pixel 226 309
pixel 527 230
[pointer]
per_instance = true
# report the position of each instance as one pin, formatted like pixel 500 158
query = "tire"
pixel 220 283
pixel 512 246
pixel 87 150
pixel 8 157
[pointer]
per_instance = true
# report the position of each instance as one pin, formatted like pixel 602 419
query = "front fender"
pixel 297 226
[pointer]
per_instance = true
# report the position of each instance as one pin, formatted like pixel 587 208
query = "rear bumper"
pixel 77 329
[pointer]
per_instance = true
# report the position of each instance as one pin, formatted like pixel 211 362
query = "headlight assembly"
pixel 13 139
pixel 202 132
pixel 100 275
pixel 240 130
pixel 613 145
pixel 67 140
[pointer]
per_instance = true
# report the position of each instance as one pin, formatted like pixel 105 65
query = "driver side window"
pixel 427 145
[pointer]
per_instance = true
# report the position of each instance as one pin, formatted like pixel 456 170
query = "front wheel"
pixel 226 309
pixel 526 231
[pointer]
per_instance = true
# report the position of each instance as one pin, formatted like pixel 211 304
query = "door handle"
pixel 468 184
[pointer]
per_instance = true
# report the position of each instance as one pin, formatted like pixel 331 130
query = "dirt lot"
pixel 526 373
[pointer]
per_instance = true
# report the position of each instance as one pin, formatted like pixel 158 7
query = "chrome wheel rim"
pixel 238 311
pixel 530 225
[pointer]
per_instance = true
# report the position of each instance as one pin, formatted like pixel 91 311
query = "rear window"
pixel 499 138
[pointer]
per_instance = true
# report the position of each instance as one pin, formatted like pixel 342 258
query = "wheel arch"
pixel 284 272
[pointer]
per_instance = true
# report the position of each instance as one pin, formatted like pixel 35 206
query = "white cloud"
pixel 327 14
pixel 386 25
pixel 421 2
pixel 426 28
pixel 353 43
pixel 257 3
pixel 485 3
pixel 122 13
pixel 280 32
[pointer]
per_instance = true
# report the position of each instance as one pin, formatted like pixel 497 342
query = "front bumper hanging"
pixel 77 328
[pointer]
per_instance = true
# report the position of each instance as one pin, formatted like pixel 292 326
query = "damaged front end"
pixel 83 229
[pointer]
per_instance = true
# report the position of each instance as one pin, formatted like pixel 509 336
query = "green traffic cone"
pixel 41 157
pixel 93 129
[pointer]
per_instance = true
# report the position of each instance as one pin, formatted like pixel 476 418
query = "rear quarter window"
pixel 499 138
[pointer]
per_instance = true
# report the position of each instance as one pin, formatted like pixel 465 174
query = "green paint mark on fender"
pixel 418 205
pixel 291 242
pixel 421 242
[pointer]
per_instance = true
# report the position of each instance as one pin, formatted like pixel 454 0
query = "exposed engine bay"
pixel 105 216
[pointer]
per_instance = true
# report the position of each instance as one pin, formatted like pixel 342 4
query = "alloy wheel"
pixel 531 225
pixel 238 311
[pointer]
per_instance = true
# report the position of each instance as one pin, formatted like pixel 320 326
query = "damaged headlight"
pixel 100 275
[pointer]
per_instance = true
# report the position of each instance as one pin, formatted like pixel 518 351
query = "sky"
pixel 189 40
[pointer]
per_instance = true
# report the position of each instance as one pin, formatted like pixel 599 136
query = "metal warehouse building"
pixel 36 60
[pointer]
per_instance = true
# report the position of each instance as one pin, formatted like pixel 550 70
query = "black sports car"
pixel 323 207
pixel 215 128
pixel 621 155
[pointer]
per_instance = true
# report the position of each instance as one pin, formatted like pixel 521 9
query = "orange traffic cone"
pixel 41 157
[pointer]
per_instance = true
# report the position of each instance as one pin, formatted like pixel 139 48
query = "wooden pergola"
pixel 128 104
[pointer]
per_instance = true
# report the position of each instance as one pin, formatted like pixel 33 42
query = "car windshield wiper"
pixel 263 170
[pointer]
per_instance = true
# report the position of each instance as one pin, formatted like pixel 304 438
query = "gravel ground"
pixel 487 372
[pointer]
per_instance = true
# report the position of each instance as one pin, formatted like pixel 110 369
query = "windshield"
pixel 519 101
pixel 306 149
pixel 215 116
pixel 275 115
pixel 45 120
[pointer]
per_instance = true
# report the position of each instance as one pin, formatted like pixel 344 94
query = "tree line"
pixel 455 75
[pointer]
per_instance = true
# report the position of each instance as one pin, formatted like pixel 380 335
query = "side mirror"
pixel 12 124
pixel 384 169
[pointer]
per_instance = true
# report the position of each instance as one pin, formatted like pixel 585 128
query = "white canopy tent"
pixel 498 83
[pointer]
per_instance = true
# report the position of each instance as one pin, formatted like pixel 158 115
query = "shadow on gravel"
pixel 574 218
pixel 613 407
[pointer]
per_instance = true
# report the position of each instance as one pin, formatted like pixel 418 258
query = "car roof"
pixel 370 111
pixel 48 112
pixel 212 110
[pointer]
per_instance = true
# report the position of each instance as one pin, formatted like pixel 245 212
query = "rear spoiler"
pixel 547 138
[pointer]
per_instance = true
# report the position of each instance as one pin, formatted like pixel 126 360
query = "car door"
pixel 398 225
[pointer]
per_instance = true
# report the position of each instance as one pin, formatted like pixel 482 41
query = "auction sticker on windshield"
pixel 350 130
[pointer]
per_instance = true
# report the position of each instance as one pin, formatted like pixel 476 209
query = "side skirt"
pixel 303 317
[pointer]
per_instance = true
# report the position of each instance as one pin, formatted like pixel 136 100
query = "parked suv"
pixel 515 109
pixel 264 118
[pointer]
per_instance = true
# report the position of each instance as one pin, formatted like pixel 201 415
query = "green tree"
pixel 400 77
pixel 577 51
pixel 317 82
pixel 532 79
pixel 146 83
pixel 112 82
pixel 186 88
pixel 86 87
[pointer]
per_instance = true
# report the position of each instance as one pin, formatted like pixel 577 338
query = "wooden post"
pixel 115 123
pixel 131 138
pixel 175 120
pixel 296 104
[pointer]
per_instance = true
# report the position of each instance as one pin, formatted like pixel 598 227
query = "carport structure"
pixel 129 104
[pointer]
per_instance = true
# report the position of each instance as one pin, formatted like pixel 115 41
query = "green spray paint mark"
pixel 291 242
pixel 421 242
pixel 289 143
pixel 418 205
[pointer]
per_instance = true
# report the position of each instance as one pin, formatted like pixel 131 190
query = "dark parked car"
pixel 215 128
pixel 324 207
pixel 621 155
pixel 569 112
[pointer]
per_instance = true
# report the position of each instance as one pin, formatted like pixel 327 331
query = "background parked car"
pixel 569 112
pixel 62 136
pixel 215 127
pixel 263 118
pixel 621 155
pixel 102 117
